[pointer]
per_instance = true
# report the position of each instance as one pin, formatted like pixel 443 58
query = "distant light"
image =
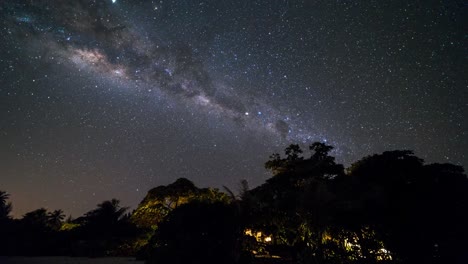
pixel 246 113
pixel 113 1
pixel 259 113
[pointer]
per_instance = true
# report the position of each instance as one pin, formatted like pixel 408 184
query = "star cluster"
pixel 103 99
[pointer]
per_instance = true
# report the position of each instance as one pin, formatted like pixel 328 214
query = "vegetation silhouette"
pixel 198 232
pixel 5 207
pixel 385 208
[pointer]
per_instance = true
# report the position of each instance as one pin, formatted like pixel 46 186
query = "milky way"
pixel 103 98
pixel 94 37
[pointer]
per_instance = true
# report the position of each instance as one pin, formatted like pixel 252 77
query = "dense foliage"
pixel 385 208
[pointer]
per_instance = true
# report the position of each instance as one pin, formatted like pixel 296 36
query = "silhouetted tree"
pixel 56 219
pixel 36 220
pixel 295 205
pixel 6 224
pixel 107 213
pixel 196 233
pixel 416 210
pixel 102 231
pixel 280 165
pixel 161 200
pixel 5 207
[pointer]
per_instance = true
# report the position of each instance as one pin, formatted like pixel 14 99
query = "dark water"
pixel 66 260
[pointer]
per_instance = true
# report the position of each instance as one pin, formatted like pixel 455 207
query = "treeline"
pixel 385 208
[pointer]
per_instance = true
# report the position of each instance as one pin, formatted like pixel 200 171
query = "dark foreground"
pixel 385 208
pixel 67 260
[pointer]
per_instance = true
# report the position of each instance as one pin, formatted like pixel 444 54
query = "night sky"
pixel 103 98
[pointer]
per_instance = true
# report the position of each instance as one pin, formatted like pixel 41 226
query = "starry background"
pixel 103 99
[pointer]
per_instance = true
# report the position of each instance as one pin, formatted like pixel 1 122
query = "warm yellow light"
pixel 68 226
pixel 384 254
pixel 258 235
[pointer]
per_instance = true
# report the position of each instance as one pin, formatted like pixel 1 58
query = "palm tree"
pixel 3 197
pixel 5 207
pixel 107 212
pixel 37 219
pixel 56 218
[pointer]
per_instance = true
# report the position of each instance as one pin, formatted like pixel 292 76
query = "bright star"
pixel 113 1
